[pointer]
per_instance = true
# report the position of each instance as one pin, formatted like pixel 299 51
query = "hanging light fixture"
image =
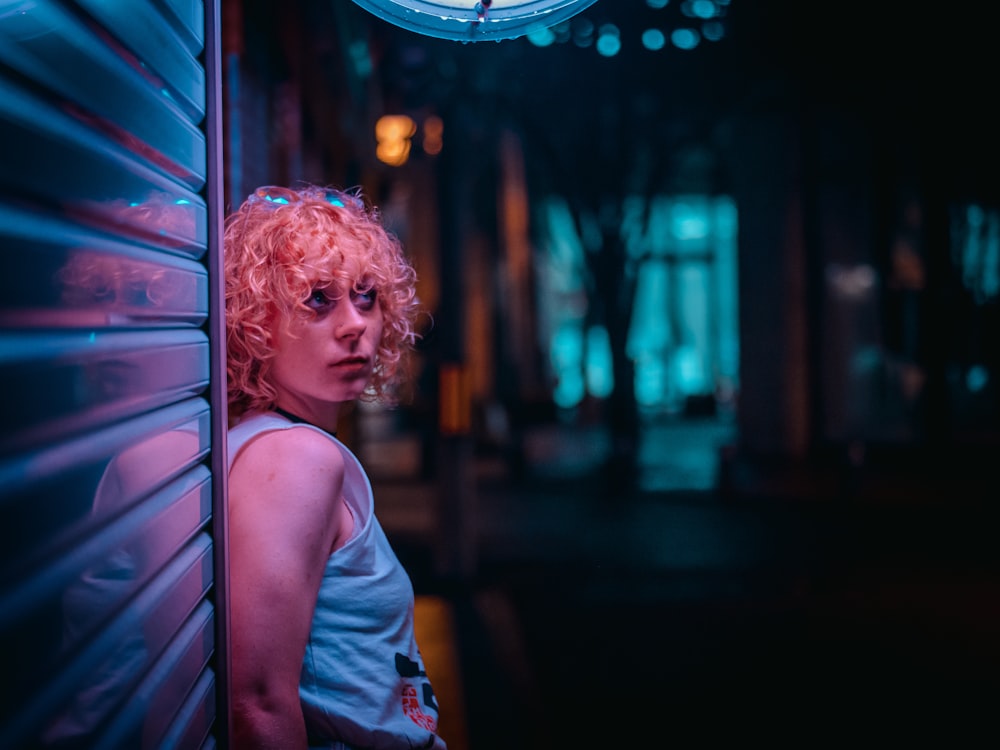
pixel 474 20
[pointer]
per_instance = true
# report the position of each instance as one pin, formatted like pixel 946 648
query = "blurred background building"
pixel 706 403
pixel 773 218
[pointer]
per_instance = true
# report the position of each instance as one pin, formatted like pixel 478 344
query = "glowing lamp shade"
pixel 474 20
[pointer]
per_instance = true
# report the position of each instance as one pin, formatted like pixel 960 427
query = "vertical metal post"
pixel 215 199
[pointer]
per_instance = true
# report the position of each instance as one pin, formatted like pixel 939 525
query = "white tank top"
pixel 363 680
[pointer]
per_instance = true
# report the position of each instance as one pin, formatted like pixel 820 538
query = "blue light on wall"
pixel 683 337
pixel 474 20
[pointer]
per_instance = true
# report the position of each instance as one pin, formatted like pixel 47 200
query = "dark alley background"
pixel 640 619
pixel 803 555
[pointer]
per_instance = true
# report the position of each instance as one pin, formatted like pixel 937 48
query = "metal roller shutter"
pixel 112 421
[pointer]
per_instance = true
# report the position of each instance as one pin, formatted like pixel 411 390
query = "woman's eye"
pixel 318 299
pixel 364 300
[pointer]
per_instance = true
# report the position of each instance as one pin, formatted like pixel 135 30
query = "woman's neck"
pixel 326 422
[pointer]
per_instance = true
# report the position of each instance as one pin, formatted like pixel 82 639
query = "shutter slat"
pixel 103 675
pixel 92 378
pixel 60 160
pixel 74 66
pixel 158 49
pixel 70 277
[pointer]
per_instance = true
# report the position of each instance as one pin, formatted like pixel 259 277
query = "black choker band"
pixel 296 418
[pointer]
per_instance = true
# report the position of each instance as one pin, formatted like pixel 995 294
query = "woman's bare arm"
pixel 284 510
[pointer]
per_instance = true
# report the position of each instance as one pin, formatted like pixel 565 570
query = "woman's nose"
pixel 350 322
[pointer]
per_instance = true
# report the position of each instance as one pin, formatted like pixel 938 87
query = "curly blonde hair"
pixel 282 242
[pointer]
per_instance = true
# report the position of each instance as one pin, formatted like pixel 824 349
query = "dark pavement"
pixel 678 613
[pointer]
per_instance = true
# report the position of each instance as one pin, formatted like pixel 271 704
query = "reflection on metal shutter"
pixel 111 424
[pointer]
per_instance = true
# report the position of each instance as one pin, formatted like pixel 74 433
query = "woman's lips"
pixel 351 363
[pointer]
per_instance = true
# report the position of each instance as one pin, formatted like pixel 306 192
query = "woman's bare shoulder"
pixel 293 453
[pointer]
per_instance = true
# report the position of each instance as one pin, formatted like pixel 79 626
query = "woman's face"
pixel 326 358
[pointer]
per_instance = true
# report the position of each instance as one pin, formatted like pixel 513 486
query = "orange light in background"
pixel 455 399
pixel 393 133
pixel 433 135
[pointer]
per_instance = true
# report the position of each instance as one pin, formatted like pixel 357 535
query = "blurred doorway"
pixel 683 335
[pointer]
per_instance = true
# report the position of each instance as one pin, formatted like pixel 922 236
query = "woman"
pixel 320 302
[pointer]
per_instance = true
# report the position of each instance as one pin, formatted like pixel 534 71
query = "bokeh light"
pixel 609 41
pixel 653 39
pixel 685 38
